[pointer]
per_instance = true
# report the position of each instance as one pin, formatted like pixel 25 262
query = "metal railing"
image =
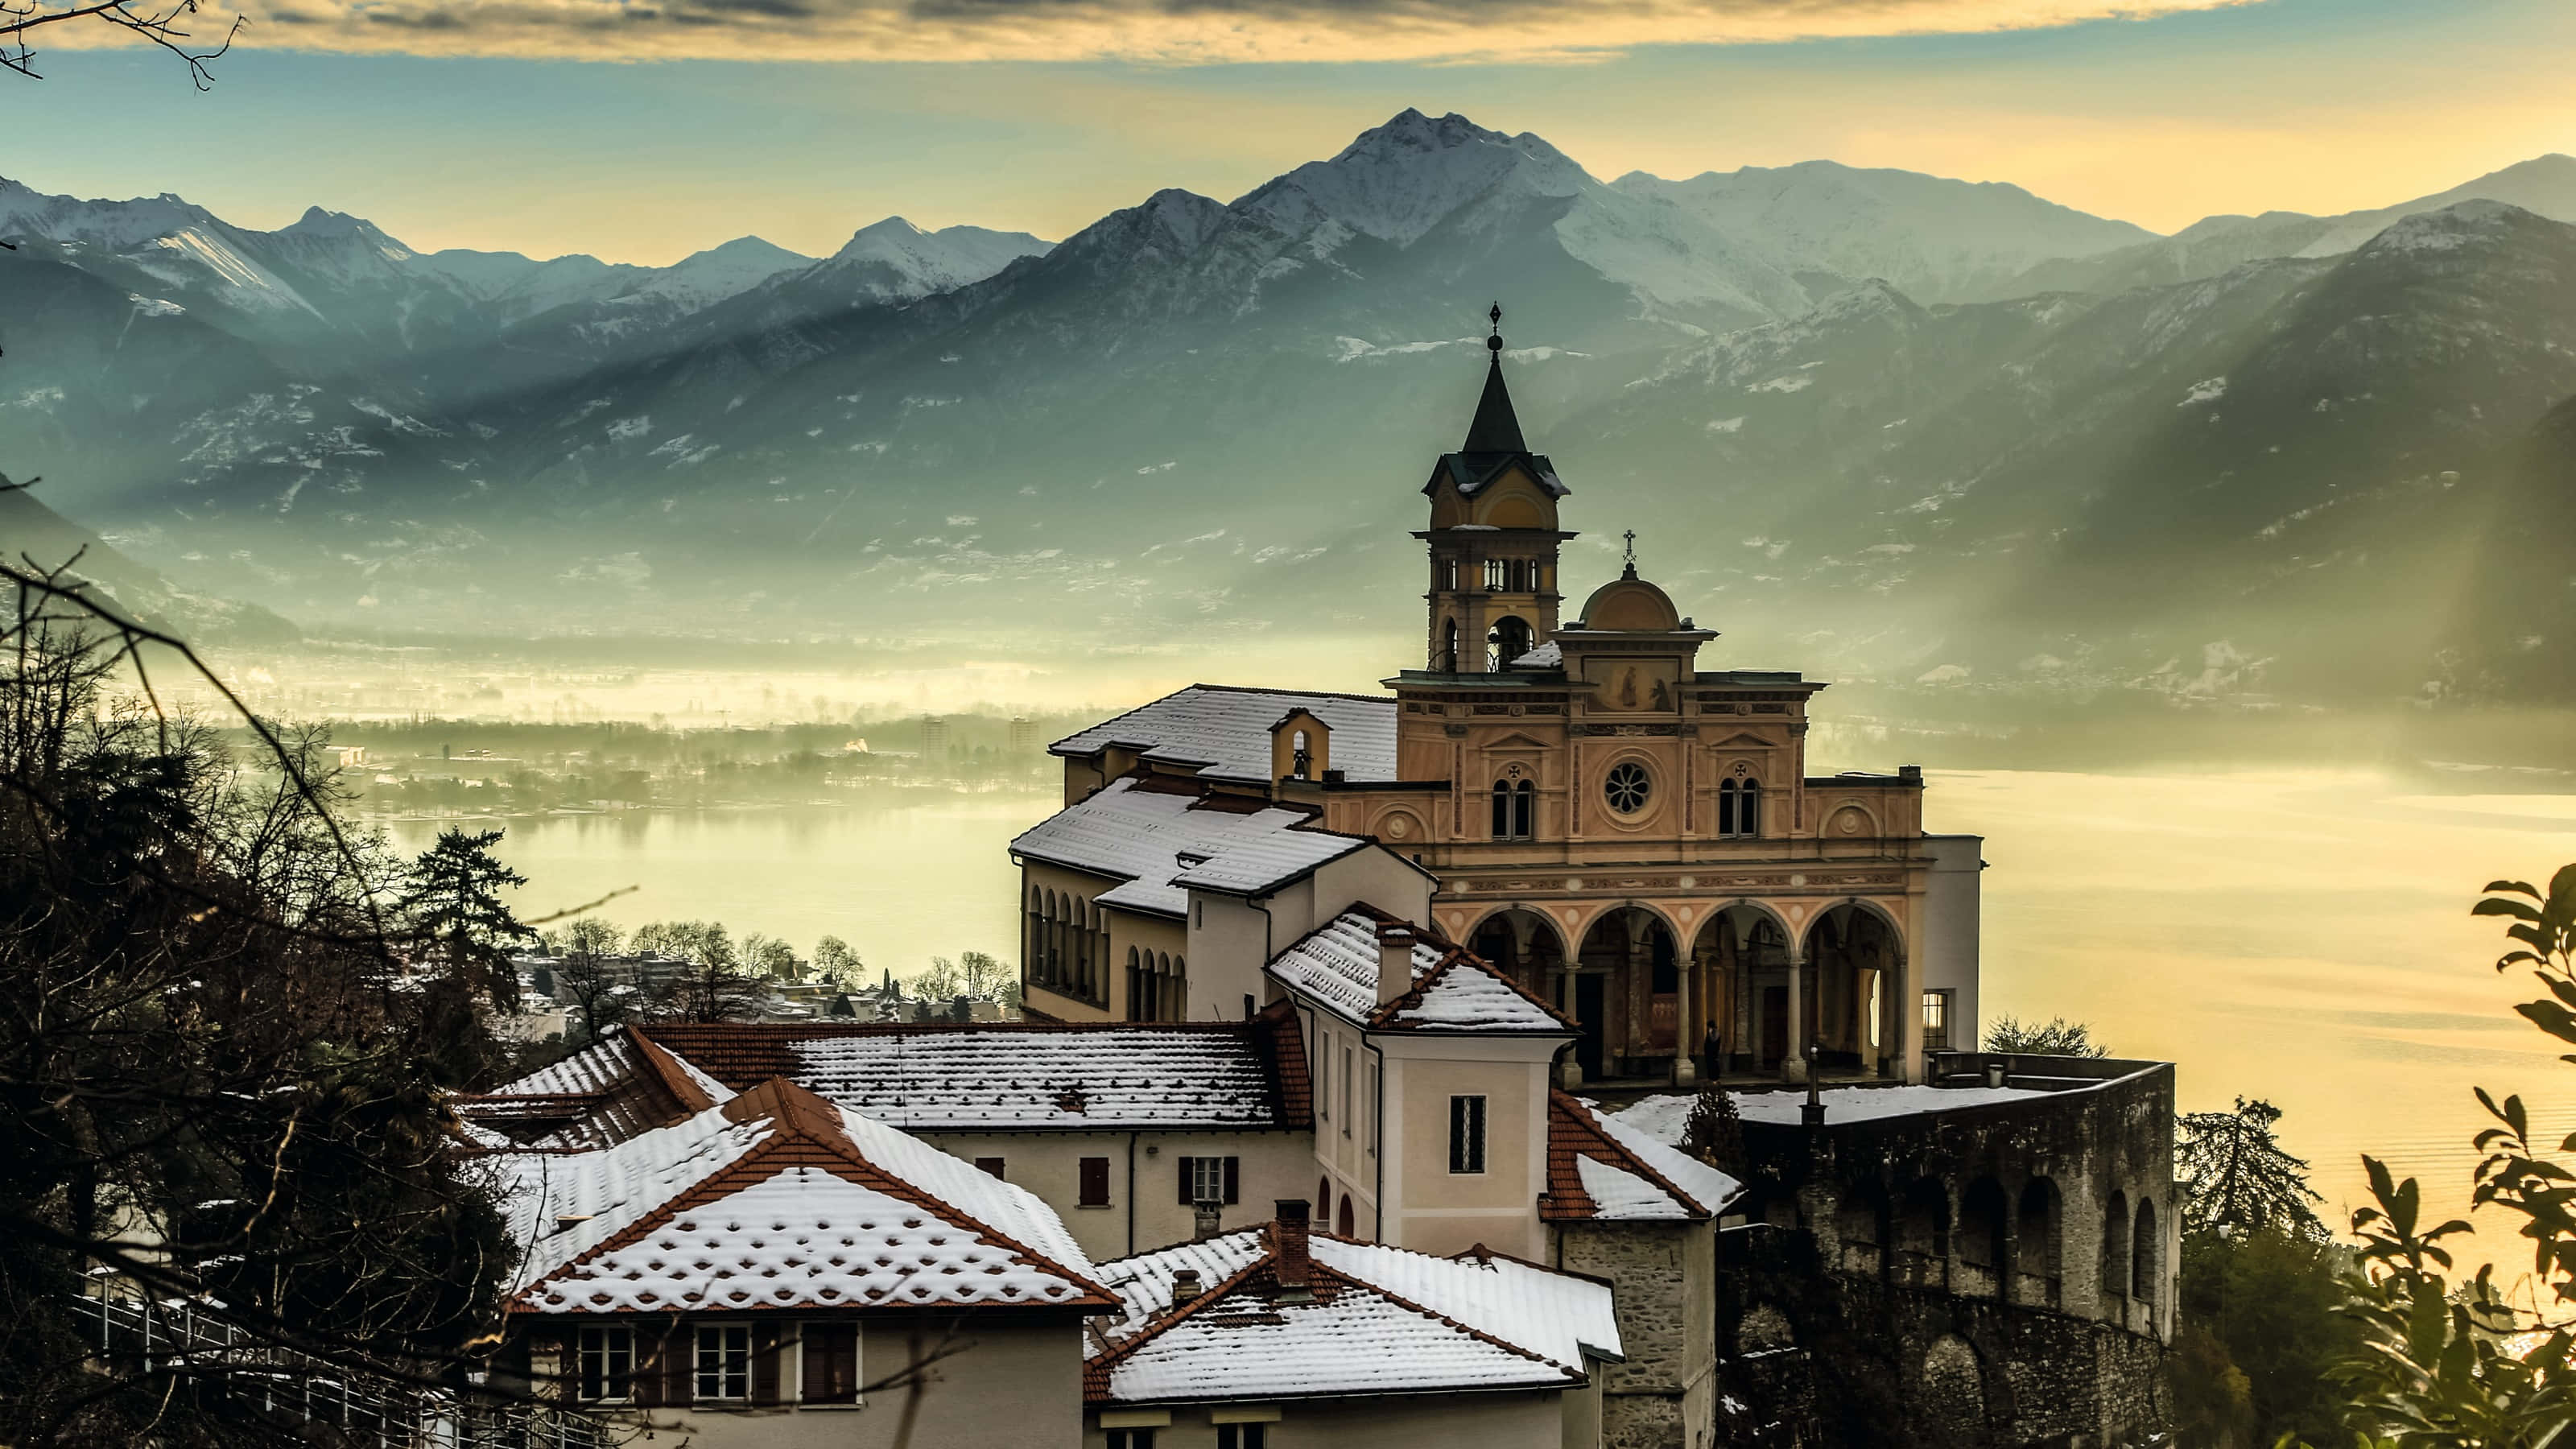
pixel 178 1339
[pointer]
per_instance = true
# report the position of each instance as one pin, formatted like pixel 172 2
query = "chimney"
pixel 1185 1287
pixel 1203 1221
pixel 1394 961
pixel 1288 1251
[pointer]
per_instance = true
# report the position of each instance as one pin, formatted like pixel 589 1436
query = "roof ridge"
pixel 1100 1365
pixel 678 1083
pixel 1457 955
pixel 790 1105
pixel 1625 1160
pixel 1391 1296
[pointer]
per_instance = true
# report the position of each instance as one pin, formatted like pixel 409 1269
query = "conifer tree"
pixel 2237 1178
pixel 454 903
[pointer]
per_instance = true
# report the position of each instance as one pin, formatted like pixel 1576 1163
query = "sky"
pixel 545 127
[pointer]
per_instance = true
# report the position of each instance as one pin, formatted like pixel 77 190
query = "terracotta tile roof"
pixel 779 1199
pixel 1598 1170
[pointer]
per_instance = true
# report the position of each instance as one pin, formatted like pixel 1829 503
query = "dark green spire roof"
pixel 1497 429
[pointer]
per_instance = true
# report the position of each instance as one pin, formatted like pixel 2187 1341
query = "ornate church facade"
pixel 1629 835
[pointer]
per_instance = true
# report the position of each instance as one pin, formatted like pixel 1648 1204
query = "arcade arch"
pixel 1854 959
pixel 1741 957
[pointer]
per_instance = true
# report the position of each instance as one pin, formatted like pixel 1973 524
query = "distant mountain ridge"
pixel 1194 411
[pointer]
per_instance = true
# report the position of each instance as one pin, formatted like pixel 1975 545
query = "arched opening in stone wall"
pixel 1860 1223
pixel 1344 1221
pixel 2115 1259
pixel 1632 953
pixel 2037 1277
pixel 1742 956
pixel 1984 1219
pixel 1952 1391
pixel 1853 955
pixel 1524 946
pixel 1923 1235
pixel 2144 1262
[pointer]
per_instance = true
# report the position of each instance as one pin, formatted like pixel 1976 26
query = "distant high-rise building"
pixel 934 736
pixel 1024 734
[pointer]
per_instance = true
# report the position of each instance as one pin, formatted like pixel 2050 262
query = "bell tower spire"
pixel 1493 537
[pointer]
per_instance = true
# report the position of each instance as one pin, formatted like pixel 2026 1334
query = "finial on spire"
pixel 1495 429
pixel 1630 571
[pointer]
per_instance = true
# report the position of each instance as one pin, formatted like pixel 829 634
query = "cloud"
pixel 1170 32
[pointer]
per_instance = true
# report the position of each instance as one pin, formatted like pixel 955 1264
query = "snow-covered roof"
pixel 1225 732
pixel 1335 966
pixel 926 1077
pixel 1382 1321
pixel 1163 841
pixel 778 1199
pixel 1601 1169
pixel 1661 1117
pixel 603 1094
pixel 1110 1077
pixel 1546 656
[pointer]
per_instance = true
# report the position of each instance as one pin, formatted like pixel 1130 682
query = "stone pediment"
pixel 1517 740
pixel 1744 740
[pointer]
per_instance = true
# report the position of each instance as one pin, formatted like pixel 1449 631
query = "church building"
pixel 1629 835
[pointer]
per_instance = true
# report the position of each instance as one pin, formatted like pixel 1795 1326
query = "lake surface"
pixel 2299 937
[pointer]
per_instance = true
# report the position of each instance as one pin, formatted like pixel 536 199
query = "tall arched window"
pixel 1135 983
pixel 1525 810
pixel 1739 808
pixel 1447 663
pixel 1508 640
pixel 1301 757
pixel 1502 809
pixel 1494 577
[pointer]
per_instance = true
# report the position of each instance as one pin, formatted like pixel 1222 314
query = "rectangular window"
pixel 1493 576
pixel 1936 1021
pixel 989 1166
pixel 724 1361
pixel 607 1363
pixel 831 1363
pixel 1131 1439
pixel 1242 1436
pixel 1347 1113
pixel 1368 1107
pixel 1466 1135
pixel 1095 1182
pixel 1210 1179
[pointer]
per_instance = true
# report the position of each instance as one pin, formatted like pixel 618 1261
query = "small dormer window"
pixel 1301 758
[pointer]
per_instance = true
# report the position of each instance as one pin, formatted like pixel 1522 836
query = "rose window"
pixel 1626 788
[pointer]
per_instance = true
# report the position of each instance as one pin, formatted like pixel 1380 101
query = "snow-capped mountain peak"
pixel 1399 180
pixel 704 278
pixel 895 260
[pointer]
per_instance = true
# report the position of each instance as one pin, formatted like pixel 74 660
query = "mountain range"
pixel 1904 427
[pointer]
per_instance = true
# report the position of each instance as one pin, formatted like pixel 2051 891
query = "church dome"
pixel 1629 604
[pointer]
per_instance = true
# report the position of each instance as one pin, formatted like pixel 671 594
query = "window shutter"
pixel 1189 1167
pixel 564 1350
pixel 764 1363
pixel 1233 1181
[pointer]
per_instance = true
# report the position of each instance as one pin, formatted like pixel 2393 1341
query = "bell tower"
pixel 1493 538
